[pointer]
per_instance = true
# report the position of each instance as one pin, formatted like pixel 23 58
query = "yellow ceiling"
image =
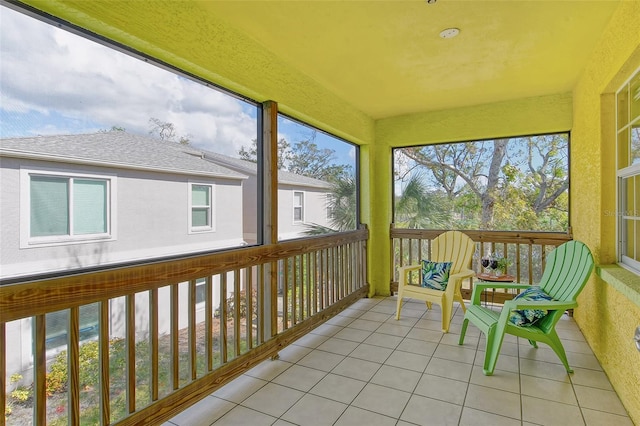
pixel 386 58
pixel 382 58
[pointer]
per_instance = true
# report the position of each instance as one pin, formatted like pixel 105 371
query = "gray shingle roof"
pixel 117 149
pixel 122 149
pixel 251 168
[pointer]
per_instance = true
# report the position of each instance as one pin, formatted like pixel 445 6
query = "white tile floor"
pixel 363 367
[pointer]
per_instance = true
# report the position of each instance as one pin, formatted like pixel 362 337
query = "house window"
pixel 298 206
pixel 330 206
pixel 628 173
pixel 201 211
pixel 65 207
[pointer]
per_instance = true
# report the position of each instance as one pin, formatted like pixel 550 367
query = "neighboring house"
pixel 77 201
pixel 87 200
pixel 302 201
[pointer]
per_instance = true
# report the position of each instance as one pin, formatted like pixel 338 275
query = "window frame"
pixel 194 229
pixel 28 241
pixel 627 172
pixel 625 214
pixel 514 136
pixel 329 210
pixel 301 206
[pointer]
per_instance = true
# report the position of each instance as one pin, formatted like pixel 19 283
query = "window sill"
pixel 623 280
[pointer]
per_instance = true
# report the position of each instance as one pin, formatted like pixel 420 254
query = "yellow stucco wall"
pixel 606 317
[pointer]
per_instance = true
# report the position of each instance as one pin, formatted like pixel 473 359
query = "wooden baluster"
pixel 285 294
pixel 352 264
pixel 518 264
pixel 237 312
pixel 175 342
pixel 392 258
pixel 153 336
pixel 273 298
pixel 410 250
pixel 335 274
pixel 73 343
pixel 339 266
pixel 103 339
pixel 308 285
pixel 313 273
pixel 250 307
pixel 530 260
pixel 192 329
pixel 294 290
pixel 130 300
pixel 321 279
pixel 505 253
pixel 223 318
pixel 208 322
pixel 260 289
pixel 40 370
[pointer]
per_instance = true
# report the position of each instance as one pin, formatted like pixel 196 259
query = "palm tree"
pixel 418 208
pixel 342 205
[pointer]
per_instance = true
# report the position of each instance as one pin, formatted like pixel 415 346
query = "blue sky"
pixel 54 82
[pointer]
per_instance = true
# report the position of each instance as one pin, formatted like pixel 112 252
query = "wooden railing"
pixel 527 252
pixel 168 333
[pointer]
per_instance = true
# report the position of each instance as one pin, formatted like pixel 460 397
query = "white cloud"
pixel 76 85
pixel 352 153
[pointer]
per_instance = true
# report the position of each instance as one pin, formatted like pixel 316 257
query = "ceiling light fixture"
pixel 449 33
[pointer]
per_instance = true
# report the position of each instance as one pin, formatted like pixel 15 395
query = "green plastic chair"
pixel 567 270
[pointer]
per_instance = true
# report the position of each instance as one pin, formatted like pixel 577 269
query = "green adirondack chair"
pixel 566 272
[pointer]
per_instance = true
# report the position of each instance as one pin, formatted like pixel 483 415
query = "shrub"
pixel 89 369
pixel 19 394
pixel 243 305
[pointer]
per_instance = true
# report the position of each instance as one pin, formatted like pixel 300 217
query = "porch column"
pixel 375 184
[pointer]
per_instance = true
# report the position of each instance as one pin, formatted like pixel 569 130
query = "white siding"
pixel 152 220
pixel 315 210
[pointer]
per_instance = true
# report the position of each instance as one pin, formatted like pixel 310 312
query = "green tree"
pixel 307 159
pixel 521 185
pixel 251 153
pixel 475 165
pixel 304 158
pixel 417 207
pixel 341 203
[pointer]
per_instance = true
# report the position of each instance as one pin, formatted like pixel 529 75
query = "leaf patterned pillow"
pixel 529 317
pixel 435 275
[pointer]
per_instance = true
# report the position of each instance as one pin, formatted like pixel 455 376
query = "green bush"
pixel 57 375
pixel 89 369
pixel 20 395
